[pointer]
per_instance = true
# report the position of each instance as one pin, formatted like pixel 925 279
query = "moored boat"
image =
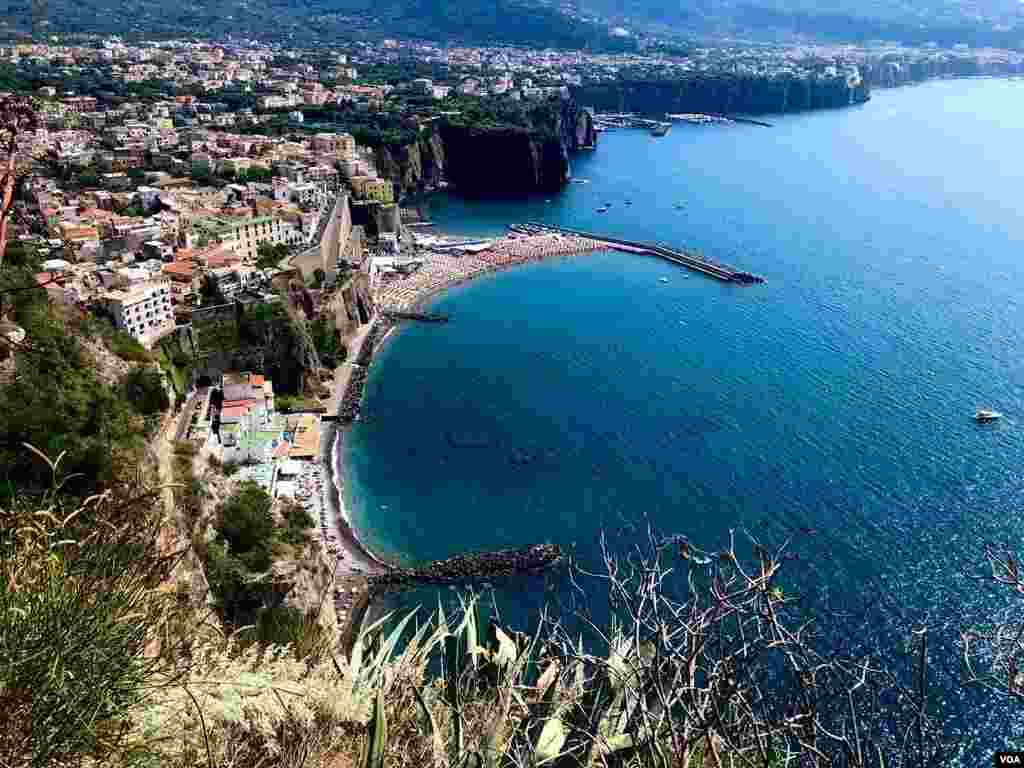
pixel 983 416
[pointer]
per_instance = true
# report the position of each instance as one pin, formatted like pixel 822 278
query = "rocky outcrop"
pixel 306 585
pixel 503 162
pixel 483 161
pixel 724 94
pixel 413 167
pixel 352 304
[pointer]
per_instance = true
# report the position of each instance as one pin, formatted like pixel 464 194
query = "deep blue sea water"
pixel 573 394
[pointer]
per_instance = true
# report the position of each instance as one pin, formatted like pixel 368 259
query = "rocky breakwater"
pixel 725 94
pixel 471 567
pixel 351 400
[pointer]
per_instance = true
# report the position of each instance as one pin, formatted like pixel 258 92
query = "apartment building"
pixel 244 236
pixel 143 311
pixel 367 188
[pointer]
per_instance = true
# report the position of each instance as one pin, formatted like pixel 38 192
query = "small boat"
pixel 663 280
pixel 679 206
pixel 629 202
pixel 602 210
pixel 660 129
pixel 983 417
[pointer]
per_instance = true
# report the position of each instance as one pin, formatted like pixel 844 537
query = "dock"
pixel 692 261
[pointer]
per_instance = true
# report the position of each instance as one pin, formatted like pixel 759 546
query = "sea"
pixel 609 392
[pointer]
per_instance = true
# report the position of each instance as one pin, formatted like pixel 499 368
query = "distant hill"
pixel 528 22
pixel 544 23
pixel 946 22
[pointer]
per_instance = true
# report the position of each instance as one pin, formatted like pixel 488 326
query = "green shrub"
pixel 79 604
pixel 245 520
pixel 297 524
pixel 144 389
pixel 127 348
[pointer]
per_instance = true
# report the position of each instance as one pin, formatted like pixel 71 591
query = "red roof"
pixel 239 403
pixel 179 269
pixel 234 410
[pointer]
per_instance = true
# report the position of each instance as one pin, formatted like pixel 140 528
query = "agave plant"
pixel 575 712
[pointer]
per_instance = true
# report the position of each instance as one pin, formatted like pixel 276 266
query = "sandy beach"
pixel 443 270
pixel 440 270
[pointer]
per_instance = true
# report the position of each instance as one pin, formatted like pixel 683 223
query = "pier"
pixel 721 272
pixel 423 317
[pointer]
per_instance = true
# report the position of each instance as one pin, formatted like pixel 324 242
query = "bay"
pixel 572 396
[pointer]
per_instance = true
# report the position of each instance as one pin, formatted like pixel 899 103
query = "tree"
pixel 247 525
pixel 57 402
pixel 144 388
pixel 88 177
pixel 270 255
pixel 23 254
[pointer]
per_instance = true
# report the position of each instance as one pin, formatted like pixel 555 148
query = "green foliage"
pixel 244 550
pixel 127 347
pixel 20 253
pixel 245 522
pixel 256 175
pixel 294 403
pixel 144 388
pixel 270 255
pixel 57 403
pixel 238 594
pixel 297 524
pixel 88 177
pixel 78 604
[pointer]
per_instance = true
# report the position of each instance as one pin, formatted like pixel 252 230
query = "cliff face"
pixel 891 71
pixel 723 95
pixel 412 167
pixel 503 162
pixel 352 305
pixel 490 162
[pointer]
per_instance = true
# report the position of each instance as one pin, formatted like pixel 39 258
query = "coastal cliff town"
pixel 205 244
pixel 235 211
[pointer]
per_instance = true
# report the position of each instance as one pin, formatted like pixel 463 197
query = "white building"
pixel 143 311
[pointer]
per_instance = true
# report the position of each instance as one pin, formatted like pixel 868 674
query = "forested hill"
pixel 537 23
pixel 975 22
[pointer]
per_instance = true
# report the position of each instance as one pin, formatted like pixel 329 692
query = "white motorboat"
pixel 982 416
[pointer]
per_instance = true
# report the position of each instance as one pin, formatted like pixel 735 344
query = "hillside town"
pixel 162 175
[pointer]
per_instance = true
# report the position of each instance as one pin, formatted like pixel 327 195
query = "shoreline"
pixel 354 560
pixel 442 271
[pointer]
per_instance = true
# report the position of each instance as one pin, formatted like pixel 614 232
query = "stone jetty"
pixel 471 567
pixel 351 399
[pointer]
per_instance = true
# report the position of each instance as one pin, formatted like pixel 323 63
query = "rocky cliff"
pixel 352 304
pixel 723 95
pixel 487 160
pixel 413 167
pixel 894 70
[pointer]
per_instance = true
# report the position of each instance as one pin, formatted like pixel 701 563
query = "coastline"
pixel 442 271
pixel 355 561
